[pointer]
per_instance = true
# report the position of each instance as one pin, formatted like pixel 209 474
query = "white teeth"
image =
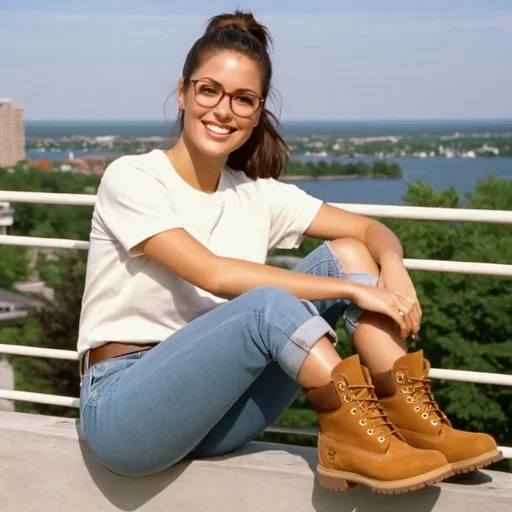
pixel 217 129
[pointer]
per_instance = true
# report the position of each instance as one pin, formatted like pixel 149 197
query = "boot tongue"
pixel 413 362
pixel 350 369
pixel 356 375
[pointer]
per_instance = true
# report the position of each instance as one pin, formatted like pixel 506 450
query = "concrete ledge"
pixel 46 467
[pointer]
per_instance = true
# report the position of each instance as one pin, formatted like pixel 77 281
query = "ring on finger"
pixel 401 312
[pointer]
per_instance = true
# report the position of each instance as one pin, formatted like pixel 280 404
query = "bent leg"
pixel 273 391
pixel 143 418
pixel 375 337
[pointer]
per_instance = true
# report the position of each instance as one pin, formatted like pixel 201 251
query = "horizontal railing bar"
pixel 429 213
pixel 459 267
pixel 48 198
pixel 374 210
pixel 40 398
pixel 49 353
pixel 291 429
pixel 474 377
pixel 436 373
pixel 51 243
pixel 462 267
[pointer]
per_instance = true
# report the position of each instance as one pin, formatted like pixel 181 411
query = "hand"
pixel 395 278
pixel 388 303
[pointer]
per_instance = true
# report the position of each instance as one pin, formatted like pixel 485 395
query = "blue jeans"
pixel 214 385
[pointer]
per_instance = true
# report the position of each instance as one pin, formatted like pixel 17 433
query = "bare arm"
pixel 178 251
pixel 332 222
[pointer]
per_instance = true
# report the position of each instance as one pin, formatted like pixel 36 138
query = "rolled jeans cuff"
pixel 301 342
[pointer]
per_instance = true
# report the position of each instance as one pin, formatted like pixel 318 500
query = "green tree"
pixel 14 265
pixel 55 325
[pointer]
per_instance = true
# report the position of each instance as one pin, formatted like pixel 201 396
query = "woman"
pixel 191 346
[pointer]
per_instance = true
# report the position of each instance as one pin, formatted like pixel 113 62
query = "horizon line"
pixel 408 119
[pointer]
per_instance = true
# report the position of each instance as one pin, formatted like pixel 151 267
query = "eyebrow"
pixel 237 90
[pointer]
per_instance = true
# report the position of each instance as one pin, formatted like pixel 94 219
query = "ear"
pixel 181 94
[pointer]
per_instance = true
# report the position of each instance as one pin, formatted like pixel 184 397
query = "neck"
pixel 200 171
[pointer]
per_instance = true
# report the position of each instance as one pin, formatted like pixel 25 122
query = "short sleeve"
pixel 134 205
pixel 292 211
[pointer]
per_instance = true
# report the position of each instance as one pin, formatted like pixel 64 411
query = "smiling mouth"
pixel 217 129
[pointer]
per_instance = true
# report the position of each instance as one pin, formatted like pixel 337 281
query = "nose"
pixel 223 109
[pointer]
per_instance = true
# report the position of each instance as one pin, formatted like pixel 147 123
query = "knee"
pixel 354 255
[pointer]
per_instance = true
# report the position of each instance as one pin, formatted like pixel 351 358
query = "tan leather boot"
pixel 413 409
pixel 358 444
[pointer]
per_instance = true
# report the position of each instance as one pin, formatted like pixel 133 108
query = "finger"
pixel 417 311
pixel 409 323
pixel 416 319
pixel 420 311
pixel 414 314
pixel 406 308
pixel 400 320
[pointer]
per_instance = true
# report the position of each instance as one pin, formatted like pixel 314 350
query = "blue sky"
pixel 333 59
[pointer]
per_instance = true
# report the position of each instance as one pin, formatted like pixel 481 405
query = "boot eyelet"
pixel 347 398
pixel 417 408
pixel 424 415
pixel 410 400
pixel 434 422
pixel 381 439
pixel 342 384
pixel 405 390
pixel 362 422
pixel 400 377
pixel 353 411
pixel 370 431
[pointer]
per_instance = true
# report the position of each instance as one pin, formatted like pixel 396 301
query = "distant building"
pixel 12 133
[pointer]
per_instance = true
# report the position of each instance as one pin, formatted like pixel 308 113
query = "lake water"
pixel 442 173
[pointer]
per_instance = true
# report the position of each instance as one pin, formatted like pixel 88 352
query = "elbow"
pixel 213 278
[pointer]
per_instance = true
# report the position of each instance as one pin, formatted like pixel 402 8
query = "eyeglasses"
pixel 209 94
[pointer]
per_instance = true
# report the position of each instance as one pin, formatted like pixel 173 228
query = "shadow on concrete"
pixel 124 492
pixel 358 498
pixel 473 478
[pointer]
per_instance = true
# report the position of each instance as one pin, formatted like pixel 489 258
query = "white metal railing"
pixel 401 212
pixel 463 267
pixel 374 210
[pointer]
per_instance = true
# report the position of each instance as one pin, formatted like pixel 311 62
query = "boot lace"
pixel 420 391
pixel 367 402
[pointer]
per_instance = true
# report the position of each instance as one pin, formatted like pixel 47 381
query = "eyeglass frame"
pixel 224 93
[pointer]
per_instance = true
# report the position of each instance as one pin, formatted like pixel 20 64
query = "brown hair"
pixel 265 153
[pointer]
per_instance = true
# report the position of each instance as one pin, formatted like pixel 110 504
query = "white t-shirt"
pixel 128 296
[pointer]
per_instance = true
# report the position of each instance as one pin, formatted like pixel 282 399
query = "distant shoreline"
pixel 337 177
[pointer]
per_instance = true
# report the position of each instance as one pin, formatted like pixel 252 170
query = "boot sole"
pixel 342 480
pixel 479 462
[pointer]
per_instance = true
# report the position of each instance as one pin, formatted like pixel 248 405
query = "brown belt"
pixel 115 349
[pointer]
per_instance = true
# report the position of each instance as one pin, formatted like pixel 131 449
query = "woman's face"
pixel 217 131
